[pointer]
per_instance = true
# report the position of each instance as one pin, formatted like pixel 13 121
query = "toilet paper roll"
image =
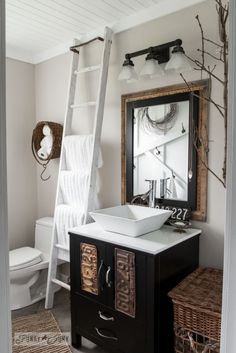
pixel 42 153
pixel 47 141
pixel 46 130
pixel 49 150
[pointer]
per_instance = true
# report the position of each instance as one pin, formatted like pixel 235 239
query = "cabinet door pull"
pixel 105 336
pixel 108 282
pixel 104 317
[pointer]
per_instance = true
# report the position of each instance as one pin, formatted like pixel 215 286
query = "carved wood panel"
pixel 89 270
pixel 125 292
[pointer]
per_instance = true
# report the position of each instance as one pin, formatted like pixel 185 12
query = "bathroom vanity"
pixel 119 286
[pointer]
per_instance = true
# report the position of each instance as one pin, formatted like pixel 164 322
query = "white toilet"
pixel 28 267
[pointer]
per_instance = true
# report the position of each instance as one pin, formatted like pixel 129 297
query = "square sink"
pixel 130 220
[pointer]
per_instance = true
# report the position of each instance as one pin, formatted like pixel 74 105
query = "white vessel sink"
pixel 130 220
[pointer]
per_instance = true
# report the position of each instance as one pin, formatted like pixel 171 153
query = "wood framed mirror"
pixel 160 141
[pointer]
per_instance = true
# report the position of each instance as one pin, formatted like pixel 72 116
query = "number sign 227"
pixel 177 212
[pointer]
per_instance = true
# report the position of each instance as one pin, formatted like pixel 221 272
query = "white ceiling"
pixel 39 29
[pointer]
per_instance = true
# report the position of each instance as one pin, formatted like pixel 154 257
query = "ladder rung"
pixel 82 105
pixel 60 283
pixel 88 69
pixel 61 247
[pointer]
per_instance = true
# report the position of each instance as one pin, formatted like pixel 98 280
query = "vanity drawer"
pixel 109 327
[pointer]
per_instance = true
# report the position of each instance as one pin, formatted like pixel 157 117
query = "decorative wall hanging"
pixel 46 143
pixel 89 277
pixel 152 124
pixel 125 295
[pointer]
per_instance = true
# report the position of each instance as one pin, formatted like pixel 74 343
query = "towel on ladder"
pixel 74 188
pixel 66 217
pixel 78 153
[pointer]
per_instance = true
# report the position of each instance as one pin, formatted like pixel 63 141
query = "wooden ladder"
pixel 53 282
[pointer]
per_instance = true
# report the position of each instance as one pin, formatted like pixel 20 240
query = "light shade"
pixel 151 69
pixel 128 73
pixel 179 62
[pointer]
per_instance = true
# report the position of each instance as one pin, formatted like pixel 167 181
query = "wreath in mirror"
pixel 151 123
pixel 46 143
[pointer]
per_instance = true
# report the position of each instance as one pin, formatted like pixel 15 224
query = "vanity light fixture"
pixel 128 72
pixel 151 67
pixel 157 55
pixel 178 61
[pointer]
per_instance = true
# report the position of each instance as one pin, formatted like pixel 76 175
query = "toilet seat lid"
pixel 24 257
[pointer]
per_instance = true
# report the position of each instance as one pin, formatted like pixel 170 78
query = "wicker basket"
pixel 187 341
pixel 37 136
pixel 197 303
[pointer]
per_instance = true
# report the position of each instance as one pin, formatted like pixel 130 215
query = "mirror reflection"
pixel 161 149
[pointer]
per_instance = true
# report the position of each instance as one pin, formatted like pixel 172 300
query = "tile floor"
pixel 61 312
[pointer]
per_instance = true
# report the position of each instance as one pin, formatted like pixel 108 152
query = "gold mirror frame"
pixel 203 87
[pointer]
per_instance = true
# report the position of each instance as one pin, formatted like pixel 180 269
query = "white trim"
pixel 163 8
pixel 5 322
pixel 228 337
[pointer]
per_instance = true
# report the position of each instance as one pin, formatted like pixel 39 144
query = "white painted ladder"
pixel 53 281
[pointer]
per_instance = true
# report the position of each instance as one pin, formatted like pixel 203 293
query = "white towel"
pixel 78 152
pixel 172 189
pixel 74 188
pixel 66 217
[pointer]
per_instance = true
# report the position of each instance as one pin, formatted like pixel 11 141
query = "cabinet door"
pixel 127 294
pixel 112 275
pixel 89 268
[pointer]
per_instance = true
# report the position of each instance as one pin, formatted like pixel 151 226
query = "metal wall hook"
pixel 44 170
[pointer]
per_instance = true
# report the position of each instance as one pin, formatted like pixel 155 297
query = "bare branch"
pixel 203 43
pixel 201 142
pixel 213 173
pixel 208 71
pixel 221 6
pixel 199 64
pixel 210 100
pixel 204 146
pixel 213 42
pixel 209 54
pixel 213 69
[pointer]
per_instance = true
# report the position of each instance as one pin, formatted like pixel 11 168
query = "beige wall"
pixel 51 88
pixel 50 92
pixel 21 167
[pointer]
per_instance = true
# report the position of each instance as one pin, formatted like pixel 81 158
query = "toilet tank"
pixel 43 234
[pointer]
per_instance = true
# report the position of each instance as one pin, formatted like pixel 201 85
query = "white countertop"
pixel 152 243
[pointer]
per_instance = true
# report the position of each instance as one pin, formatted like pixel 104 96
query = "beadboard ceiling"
pixel 37 30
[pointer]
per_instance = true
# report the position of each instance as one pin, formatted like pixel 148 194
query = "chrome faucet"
pixel 163 187
pixel 151 193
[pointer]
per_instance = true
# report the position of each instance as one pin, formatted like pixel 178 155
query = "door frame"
pixel 5 313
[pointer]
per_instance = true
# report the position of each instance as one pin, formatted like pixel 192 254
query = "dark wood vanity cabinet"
pixel 145 324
